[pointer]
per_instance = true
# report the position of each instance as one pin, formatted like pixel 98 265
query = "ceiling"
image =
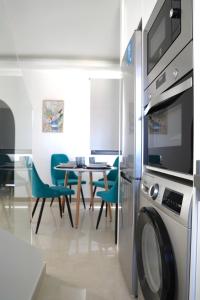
pixel 66 29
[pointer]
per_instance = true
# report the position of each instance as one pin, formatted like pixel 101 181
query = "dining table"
pixel 80 171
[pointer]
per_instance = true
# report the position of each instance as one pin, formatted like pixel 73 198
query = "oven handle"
pixel 178 89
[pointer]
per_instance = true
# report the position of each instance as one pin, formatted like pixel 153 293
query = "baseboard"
pixel 21 199
pixel 28 199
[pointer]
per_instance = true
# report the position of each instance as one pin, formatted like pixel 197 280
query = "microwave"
pixel 168 119
pixel 167 32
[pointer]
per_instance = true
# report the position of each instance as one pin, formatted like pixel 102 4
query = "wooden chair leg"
pixel 35 206
pixel 40 215
pixel 69 211
pixel 52 199
pixel 100 213
pixel 95 188
pixel 83 198
pixel 116 222
pixel 60 206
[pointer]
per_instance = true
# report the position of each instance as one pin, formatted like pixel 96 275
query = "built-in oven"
pixel 168 119
pixel 167 32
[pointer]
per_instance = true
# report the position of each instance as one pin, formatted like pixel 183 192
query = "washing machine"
pixel 163 234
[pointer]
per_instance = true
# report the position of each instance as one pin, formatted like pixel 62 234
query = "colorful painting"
pixel 158 124
pixel 52 117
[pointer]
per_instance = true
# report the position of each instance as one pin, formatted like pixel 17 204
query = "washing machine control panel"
pixel 170 196
pixel 154 191
pixel 172 200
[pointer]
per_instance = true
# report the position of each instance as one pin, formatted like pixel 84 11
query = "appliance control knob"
pixel 154 190
pixel 175 13
pixel 175 73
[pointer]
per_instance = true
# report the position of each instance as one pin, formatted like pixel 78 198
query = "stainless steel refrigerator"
pixel 130 166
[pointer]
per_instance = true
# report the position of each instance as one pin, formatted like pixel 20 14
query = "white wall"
pixel 72 86
pixel 13 93
pixel 74 89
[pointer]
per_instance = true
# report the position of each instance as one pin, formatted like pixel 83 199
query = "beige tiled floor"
pixel 81 264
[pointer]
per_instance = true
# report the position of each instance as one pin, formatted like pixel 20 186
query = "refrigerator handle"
pixel 130 179
pixel 123 175
pixel 197 176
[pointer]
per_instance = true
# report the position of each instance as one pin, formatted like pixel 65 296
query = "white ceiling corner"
pixel 61 29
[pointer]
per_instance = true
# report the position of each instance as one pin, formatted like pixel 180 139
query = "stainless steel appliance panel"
pixel 168 128
pixel 130 167
pixel 173 73
pixel 167 50
pixel 168 118
pixel 178 226
pixel 180 238
pixel 127 220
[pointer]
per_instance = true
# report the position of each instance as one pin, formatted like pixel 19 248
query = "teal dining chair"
pixel 44 191
pixel 109 197
pixel 58 176
pixel 111 177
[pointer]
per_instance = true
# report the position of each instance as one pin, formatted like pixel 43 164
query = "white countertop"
pixel 21 268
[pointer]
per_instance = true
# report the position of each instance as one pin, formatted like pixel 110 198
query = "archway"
pixel 7 145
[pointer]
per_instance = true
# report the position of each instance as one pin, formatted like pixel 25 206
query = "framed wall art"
pixel 52 115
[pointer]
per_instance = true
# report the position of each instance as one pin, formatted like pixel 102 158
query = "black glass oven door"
pixel 163 32
pixel 155 258
pixel 169 133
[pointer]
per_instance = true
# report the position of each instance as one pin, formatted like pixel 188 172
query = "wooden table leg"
pixel 91 192
pixel 65 185
pixel 78 199
pixel 106 188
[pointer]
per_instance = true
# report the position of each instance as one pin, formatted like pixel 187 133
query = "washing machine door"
pixel 155 259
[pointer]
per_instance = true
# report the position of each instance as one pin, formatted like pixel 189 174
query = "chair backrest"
pixel 114 191
pixel 55 160
pixel 37 184
pixel 6 175
pixel 113 174
pixel 112 194
pixel 116 162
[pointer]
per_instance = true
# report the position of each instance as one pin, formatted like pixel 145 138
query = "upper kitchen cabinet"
pixel 147 8
pixel 131 13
